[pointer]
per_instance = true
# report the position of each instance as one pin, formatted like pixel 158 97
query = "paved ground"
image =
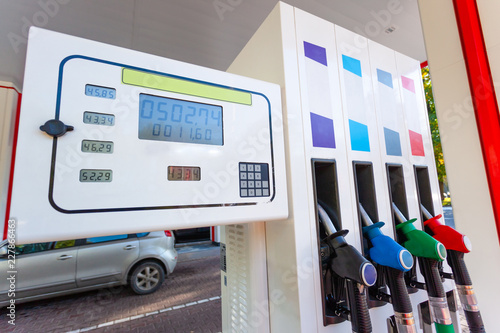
pixel 189 301
pixel 448 216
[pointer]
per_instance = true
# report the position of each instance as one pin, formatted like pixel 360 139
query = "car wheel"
pixel 147 278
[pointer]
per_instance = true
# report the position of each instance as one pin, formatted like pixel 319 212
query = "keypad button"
pixel 252 183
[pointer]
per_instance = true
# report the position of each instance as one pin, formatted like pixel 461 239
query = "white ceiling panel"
pixel 209 33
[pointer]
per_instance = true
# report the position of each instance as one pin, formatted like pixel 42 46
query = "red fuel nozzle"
pixel 451 239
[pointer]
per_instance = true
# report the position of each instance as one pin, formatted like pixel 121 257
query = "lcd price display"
pixel 102 92
pixel 92 146
pixel 168 119
pixel 183 173
pixel 96 176
pixel 98 118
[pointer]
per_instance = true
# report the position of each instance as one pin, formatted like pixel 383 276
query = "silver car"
pixel 57 268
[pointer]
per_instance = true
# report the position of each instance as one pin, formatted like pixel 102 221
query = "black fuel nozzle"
pixel 346 261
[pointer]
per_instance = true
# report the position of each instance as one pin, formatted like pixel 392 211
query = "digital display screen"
pixel 96 176
pixel 183 173
pixel 103 147
pixel 98 118
pixel 97 91
pixel 168 119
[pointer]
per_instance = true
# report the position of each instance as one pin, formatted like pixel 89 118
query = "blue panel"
pixel 384 77
pixel 315 52
pixel 352 65
pixel 359 136
pixel 322 131
pixel 392 142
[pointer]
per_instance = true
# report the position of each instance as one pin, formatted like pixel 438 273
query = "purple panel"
pixel 315 52
pixel 322 131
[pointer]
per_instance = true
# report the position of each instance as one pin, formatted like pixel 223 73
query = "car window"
pixel 39 247
pixel 142 234
pixel 32 248
pixel 102 239
pixel 64 244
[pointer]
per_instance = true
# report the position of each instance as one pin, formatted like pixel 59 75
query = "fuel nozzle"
pixel 452 239
pixel 346 261
pixel 418 242
pixel 385 251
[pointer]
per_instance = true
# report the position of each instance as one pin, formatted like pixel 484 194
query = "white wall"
pixel 461 147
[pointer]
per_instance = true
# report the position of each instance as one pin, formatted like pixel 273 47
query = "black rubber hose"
pixel 399 293
pixel 462 279
pixel 457 264
pixel 474 321
pixel 430 271
pixel 360 316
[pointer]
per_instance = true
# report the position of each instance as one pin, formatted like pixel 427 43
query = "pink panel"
pixel 408 83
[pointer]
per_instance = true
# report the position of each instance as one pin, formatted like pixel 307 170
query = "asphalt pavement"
pixel 188 301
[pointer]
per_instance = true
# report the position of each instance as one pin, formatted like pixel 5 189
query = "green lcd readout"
pixel 186 87
pixel 96 176
pixel 93 146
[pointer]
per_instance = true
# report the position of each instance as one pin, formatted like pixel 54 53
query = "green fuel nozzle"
pixel 418 242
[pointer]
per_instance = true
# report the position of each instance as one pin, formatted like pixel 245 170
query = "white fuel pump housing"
pixel 112 141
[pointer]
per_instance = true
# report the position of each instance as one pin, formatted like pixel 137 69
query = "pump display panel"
pixel 130 142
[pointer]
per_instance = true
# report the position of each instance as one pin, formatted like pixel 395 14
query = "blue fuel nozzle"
pixel 386 251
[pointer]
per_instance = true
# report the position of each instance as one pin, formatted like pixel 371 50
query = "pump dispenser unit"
pixel 336 160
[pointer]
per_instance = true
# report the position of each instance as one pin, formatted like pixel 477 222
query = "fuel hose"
pixel 429 252
pixel 356 270
pixel 457 245
pixel 393 260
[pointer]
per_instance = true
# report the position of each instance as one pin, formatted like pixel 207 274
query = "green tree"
pixel 436 139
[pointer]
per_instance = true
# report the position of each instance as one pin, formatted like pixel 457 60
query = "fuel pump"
pixel 393 260
pixel 350 271
pixel 429 252
pixel 457 245
pixel 109 137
